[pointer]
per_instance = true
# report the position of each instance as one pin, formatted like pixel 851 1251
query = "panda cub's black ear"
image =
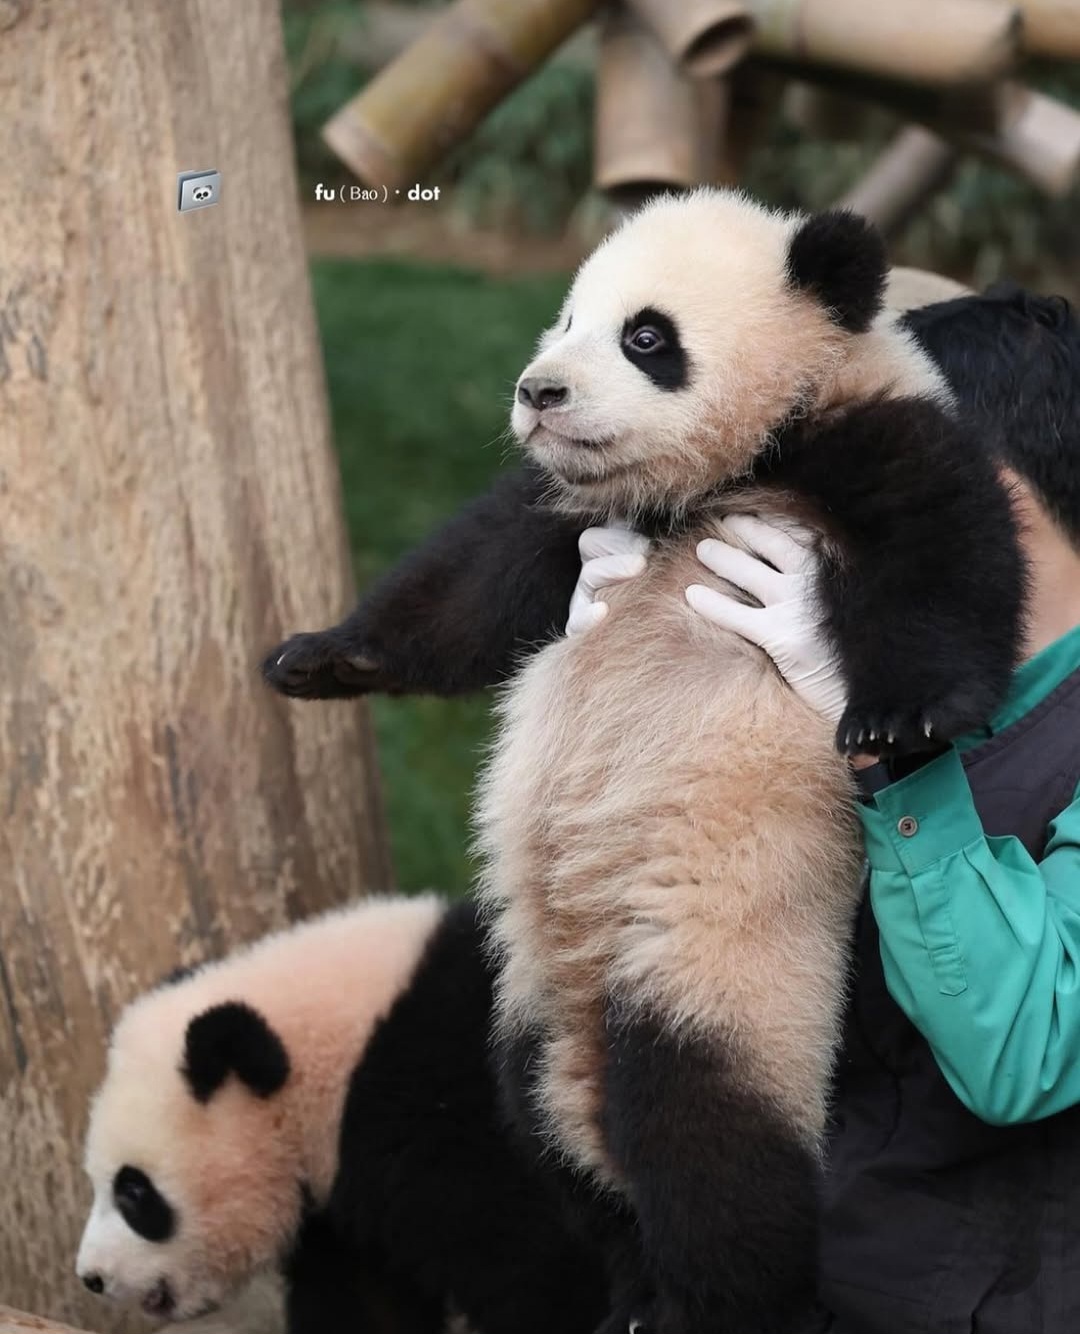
pixel 233 1039
pixel 840 258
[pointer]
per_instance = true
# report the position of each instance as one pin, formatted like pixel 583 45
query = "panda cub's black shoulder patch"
pixel 840 258
pixel 233 1039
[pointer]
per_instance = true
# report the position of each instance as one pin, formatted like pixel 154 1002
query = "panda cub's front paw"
pixel 319 666
pixel 877 730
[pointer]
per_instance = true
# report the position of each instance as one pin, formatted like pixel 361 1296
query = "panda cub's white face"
pixel 192 1154
pixel 135 1251
pixel 681 345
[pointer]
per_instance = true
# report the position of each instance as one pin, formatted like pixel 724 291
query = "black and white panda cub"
pixel 672 858
pixel 322 1101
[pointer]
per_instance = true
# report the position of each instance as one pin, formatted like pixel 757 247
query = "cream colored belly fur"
pixel 663 818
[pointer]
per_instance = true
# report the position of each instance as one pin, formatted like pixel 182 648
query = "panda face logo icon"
pixel 198 189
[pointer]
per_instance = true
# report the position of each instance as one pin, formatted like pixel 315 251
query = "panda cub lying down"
pixel 672 855
pixel 321 1102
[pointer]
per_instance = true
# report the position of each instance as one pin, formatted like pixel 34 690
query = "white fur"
pixel 662 817
pixel 231 1167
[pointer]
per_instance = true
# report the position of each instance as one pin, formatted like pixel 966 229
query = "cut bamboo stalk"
pixel 1037 137
pixel 909 289
pixel 1052 28
pixel 656 128
pixel 703 37
pixel 913 168
pixel 919 41
pixel 435 93
pixel 371 37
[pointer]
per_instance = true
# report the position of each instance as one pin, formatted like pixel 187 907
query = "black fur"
pixel 707 1164
pixel 666 364
pixel 330 1288
pixel 1014 360
pixel 703 1241
pixel 601 1219
pixel 841 259
pixel 142 1206
pixel 455 615
pixel 233 1039
pixel 432 1192
pixel 925 601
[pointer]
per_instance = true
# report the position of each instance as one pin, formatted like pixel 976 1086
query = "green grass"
pixel 421 362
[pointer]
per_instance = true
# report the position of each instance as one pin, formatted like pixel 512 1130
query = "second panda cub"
pixel 672 858
pixel 322 1102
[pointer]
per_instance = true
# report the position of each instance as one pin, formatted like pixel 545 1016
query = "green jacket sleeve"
pixel 980 944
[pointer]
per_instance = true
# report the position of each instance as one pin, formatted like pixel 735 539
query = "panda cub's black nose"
pixel 95 1283
pixel 541 394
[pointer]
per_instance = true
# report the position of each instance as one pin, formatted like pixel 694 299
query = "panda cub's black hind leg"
pixel 606 1286
pixel 724 1191
pixel 924 595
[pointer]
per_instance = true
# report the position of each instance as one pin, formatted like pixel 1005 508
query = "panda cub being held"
pixel 322 1103
pixel 672 856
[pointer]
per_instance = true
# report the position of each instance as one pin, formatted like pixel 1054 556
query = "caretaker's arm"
pixel 980 942
pixel 456 614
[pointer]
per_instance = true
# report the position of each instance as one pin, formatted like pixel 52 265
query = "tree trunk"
pixel 18 1322
pixel 170 509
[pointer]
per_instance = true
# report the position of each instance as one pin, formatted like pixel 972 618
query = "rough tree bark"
pixel 169 507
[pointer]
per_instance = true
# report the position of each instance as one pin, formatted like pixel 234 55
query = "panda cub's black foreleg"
pixel 924 600
pixel 724 1191
pixel 456 614
pixel 331 1286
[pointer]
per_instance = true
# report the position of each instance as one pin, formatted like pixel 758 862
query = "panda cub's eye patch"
pixel 143 1207
pixel 650 340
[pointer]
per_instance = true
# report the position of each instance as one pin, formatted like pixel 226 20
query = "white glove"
pixel 609 556
pixel 777 566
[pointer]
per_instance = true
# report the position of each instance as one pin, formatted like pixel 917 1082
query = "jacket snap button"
pixel 907 825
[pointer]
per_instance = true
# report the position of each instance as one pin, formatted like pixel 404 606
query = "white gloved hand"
pixel 779 570
pixel 608 556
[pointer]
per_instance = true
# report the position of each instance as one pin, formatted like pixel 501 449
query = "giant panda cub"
pixel 322 1102
pixel 672 858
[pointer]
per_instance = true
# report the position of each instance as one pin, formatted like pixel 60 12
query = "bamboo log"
pixel 915 166
pixel 920 41
pixel 171 506
pixel 1036 136
pixel 373 36
pixel 703 37
pixel 1052 28
pixel 656 128
pixel 437 91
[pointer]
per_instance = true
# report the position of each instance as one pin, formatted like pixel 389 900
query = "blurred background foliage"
pixel 421 357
